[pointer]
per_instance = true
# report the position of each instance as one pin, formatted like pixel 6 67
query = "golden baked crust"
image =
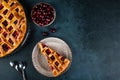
pixel 12 26
pixel 57 62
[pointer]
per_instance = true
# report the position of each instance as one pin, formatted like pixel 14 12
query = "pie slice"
pixel 57 62
pixel 12 26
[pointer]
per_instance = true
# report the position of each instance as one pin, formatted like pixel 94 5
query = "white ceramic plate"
pixel 40 62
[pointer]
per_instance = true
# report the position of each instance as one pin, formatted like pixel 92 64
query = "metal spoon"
pixel 22 68
pixel 14 65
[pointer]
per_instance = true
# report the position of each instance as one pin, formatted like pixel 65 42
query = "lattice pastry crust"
pixel 57 62
pixel 12 26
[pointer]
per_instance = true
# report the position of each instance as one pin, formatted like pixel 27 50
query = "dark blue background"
pixel 92 30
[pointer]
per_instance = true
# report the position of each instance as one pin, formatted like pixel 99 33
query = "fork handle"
pixel 23 75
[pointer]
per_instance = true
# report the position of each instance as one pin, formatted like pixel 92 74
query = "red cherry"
pixel 45 33
pixel 53 30
pixel 47 19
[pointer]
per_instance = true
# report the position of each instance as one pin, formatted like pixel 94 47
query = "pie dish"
pixel 12 26
pixel 40 62
pixel 57 62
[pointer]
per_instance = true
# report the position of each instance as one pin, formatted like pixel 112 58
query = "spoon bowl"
pixel 12 64
pixel 22 65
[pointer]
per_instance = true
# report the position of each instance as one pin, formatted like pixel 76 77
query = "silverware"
pixel 20 67
pixel 14 65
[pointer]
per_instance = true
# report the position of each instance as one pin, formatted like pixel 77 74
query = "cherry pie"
pixel 12 26
pixel 57 62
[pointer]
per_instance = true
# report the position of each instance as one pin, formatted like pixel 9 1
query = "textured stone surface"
pixel 91 29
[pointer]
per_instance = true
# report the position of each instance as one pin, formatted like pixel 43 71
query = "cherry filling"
pixel 20 26
pixel 52 57
pixel 5 12
pixel 5 23
pixel 51 67
pixel 11 4
pixel 1 17
pixel 6 1
pixel 0 40
pixel 16 9
pixel 10 28
pixel 48 51
pixel 15 34
pixel 1 6
pixel 5 47
pixel 16 22
pixel 42 14
pixel 11 16
pixel 58 54
pixel 43 45
pixel 63 58
pixel 11 41
pixel 5 34
pixel 0 28
pixel 56 63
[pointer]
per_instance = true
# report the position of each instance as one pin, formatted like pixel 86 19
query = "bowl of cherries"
pixel 43 14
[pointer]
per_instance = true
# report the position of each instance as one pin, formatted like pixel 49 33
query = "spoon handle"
pixel 23 75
